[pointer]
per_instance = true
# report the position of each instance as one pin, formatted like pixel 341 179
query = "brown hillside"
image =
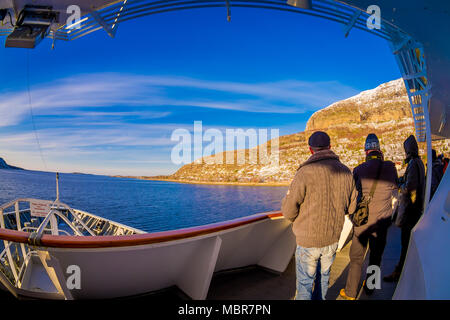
pixel 384 110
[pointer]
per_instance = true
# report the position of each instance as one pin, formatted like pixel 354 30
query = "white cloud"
pixel 112 89
pixel 76 136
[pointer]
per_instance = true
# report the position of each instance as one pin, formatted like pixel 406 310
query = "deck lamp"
pixel 302 4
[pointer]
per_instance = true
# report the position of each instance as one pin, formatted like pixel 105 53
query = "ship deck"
pixel 259 284
pixel 255 283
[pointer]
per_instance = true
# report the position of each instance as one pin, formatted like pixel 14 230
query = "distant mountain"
pixel 4 165
pixel 384 111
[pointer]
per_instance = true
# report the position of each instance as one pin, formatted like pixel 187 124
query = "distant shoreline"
pixel 248 184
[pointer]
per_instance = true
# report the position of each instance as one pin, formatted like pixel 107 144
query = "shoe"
pixel 367 290
pixel 393 277
pixel 344 296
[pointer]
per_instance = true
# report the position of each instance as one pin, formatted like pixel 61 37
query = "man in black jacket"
pixel 413 186
pixel 374 232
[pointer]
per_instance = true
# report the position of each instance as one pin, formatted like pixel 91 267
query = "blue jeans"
pixel 307 261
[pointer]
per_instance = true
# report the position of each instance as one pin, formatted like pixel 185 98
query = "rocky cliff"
pixel 387 102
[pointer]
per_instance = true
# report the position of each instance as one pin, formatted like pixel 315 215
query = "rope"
pixel 31 111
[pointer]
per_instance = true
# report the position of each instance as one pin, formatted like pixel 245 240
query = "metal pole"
pixel 57 186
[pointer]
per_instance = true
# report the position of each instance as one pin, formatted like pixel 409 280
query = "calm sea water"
pixel 146 205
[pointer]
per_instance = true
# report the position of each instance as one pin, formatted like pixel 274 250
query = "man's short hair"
pixel 317 149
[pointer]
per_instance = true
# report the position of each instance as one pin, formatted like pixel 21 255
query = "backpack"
pixel 361 215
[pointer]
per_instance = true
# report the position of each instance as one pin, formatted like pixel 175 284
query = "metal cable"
pixel 31 110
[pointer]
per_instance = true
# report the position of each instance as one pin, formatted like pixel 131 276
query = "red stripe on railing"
pixel 133 240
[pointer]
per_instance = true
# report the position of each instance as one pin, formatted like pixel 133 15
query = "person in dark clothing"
pixel 413 186
pixel 438 172
pixel 373 234
pixel 445 163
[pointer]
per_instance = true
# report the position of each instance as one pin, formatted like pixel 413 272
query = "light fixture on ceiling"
pixel 32 25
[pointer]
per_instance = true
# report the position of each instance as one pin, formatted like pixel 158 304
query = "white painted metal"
pixel 346 232
pixel 428 23
pixel 411 61
pixel 122 271
pixel 188 263
pixel 19 227
pixel 84 213
pixel 7 247
pixel 57 186
pixel 426 271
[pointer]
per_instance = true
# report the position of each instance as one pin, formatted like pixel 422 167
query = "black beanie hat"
pixel 319 139
pixel 372 142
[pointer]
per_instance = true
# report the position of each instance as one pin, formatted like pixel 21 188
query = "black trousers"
pixel 376 243
pixel 405 236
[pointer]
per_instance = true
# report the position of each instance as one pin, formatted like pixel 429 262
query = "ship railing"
pixel 13 265
pixel 134 239
pixel 105 227
pixel 51 219
pixel 58 221
pixel 11 262
pixel 61 220
pixel 14 261
pixel 47 230
pixel 58 213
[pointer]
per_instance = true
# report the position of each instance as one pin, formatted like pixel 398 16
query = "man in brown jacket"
pixel 374 232
pixel 320 195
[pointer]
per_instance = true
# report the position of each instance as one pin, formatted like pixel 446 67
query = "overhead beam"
pixel 351 23
pixel 109 30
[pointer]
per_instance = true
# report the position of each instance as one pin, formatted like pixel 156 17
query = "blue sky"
pixel 109 106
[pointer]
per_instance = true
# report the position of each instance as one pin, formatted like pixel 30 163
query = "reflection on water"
pixel 147 205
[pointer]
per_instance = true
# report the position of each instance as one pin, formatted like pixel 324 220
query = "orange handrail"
pixel 133 240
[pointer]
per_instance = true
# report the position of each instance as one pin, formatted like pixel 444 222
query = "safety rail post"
pixel 19 227
pixel 7 248
pixel 10 286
